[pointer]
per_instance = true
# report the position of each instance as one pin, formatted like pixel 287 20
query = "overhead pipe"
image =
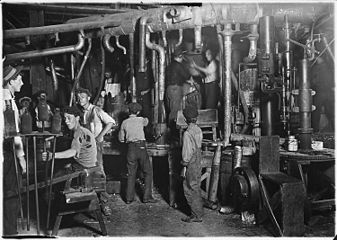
pixel 120 46
pixel 161 79
pixel 58 28
pixel 180 40
pixel 208 15
pixel 48 52
pixel 106 43
pixel 79 73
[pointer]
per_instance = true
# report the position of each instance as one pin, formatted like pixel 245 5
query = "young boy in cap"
pixel 12 83
pixel 191 160
pixel 132 133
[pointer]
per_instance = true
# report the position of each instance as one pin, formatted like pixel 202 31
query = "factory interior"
pixel 266 114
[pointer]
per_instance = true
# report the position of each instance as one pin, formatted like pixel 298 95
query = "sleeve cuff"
pixel 184 163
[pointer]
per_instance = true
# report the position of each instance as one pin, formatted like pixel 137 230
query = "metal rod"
pixel 180 40
pixel 27 183
pixel 51 181
pixel 142 32
pixel 18 184
pixel 36 189
pixel 47 52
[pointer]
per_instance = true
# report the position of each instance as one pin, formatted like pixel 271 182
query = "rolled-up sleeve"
pixel 187 150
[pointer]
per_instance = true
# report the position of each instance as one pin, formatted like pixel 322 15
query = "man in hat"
pixel 191 160
pixel 176 75
pixel 99 123
pixel 132 133
pixel 12 83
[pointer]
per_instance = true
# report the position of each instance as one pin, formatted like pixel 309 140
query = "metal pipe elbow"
pixel 106 43
pixel 120 46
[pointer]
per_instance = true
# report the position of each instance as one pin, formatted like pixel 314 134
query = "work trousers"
pixel 137 156
pixel 10 204
pixel 211 95
pixel 174 98
pixel 191 185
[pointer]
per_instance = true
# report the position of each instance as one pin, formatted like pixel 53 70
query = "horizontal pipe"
pixel 72 9
pixel 58 28
pixel 47 52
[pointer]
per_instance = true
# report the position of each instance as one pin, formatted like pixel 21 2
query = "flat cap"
pixel 190 112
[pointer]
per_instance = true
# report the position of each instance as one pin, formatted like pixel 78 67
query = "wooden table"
pixel 302 161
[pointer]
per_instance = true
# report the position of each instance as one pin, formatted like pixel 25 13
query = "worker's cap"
pixel 73 110
pixel 134 107
pixel 10 73
pixel 190 112
pixel 25 99
pixel 179 51
pixel 83 90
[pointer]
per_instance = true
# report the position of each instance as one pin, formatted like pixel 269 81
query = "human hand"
pixel 46 156
pixel 99 138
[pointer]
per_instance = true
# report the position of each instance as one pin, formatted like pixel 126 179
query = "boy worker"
pixel 191 160
pixel 132 132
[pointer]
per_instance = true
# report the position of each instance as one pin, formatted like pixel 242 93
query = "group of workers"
pixel 89 123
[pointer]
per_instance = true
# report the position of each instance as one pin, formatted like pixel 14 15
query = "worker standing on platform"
pixel 99 123
pixel 12 83
pixel 176 75
pixel 132 133
pixel 191 160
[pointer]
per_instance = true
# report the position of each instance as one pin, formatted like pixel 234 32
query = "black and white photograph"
pixel 168 119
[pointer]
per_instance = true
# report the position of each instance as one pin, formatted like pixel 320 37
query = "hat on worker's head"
pixel 83 90
pixel 73 110
pixel 10 73
pixel 134 107
pixel 25 99
pixel 179 51
pixel 190 112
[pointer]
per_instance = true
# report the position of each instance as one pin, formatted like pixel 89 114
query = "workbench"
pixel 299 163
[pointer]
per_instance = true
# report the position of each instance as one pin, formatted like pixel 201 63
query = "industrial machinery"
pixel 266 53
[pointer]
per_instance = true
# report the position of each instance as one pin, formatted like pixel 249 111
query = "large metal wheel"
pixel 244 188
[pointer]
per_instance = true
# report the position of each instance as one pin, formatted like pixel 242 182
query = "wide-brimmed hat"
pixel 11 73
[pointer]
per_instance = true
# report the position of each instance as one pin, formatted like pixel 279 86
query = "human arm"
pixel 109 123
pixel 210 69
pixel 145 121
pixel 188 148
pixel 121 134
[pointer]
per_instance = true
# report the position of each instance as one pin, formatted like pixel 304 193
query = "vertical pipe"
pixel 305 107
pixel 227 33
pixel 221 60
pixel 180 40
pixel 197 39
pixel 132 66
pixel 161 79
pixel 142 31
pixel 51 180
pixel 27 183
pixel 36 190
